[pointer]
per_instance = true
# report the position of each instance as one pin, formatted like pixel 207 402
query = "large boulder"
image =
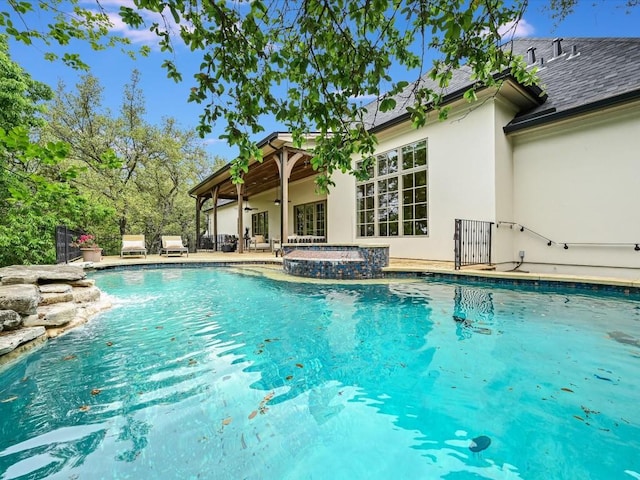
pixel 41 274
pixel 10 340
pixel 9 320
pixel 56 293
pixel 23 299
pixel 53 315
pixel 86 294
pixel 55 288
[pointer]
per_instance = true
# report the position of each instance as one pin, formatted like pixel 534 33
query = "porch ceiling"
pixel 261 177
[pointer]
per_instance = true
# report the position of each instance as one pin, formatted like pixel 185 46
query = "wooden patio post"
pixel 214 198
pixel 198 205
pixel 240 225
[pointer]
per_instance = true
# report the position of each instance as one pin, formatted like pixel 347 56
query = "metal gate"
pixel 472 239
pixel 64 251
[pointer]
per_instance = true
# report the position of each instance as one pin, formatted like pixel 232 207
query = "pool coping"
pixel 626 286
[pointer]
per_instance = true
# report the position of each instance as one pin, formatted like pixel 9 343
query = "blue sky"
pixel 164 98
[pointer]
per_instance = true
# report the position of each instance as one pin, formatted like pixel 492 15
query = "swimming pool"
pixel 213 374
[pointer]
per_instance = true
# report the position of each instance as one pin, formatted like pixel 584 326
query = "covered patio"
pixel 281 184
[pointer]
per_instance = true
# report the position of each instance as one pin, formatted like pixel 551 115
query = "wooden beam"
pixel 240 225
pixel 198 206
pixel 214 198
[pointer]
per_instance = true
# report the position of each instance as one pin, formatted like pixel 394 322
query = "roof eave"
pixel 535 92
pixel 554 116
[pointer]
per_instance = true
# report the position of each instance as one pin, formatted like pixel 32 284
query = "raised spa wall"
pixel 335 261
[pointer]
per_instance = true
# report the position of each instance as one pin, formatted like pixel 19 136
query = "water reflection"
pixel 472 312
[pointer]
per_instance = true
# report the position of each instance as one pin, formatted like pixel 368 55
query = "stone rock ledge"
pixel 44 301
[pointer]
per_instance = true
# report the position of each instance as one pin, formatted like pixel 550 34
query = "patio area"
pixel 396 266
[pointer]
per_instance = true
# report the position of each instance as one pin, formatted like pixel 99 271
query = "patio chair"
pixel 133 245
pixel 259 243
pixel 172 244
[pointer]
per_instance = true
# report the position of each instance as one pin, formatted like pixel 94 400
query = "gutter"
pixel 551 115
pixel 533 90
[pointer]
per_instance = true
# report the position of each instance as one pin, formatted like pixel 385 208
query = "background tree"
pixel 35 193
pixel 142 171
pixel 301 62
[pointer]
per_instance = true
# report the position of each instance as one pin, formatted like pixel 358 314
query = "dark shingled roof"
pixel 601 69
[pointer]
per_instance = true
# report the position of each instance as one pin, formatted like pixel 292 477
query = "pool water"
pixel 213 374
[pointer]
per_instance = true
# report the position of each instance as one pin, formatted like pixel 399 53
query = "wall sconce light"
pixel 276 202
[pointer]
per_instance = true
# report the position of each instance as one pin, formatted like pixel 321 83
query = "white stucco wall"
pixel 578 182
pixel 227 220
pixel 461 180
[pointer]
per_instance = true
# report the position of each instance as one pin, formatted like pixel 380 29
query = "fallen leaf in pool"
pixel 565 389
pixel 288 377
pixel 253 414
pixel 159 327
pixel 85 408
pixel 69 357
pixel 109 344
pixel 173 339
pixel 95 391
pixel 9 399
pixel 579 418
pixel 227 421
pixel 192 362
pixel 299 365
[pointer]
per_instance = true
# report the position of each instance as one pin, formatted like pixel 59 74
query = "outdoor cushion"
pixel 128 244
pixel 173 244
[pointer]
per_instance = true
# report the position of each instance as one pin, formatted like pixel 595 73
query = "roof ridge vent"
pixel 574 52
pixel 557 47
pixel 531 55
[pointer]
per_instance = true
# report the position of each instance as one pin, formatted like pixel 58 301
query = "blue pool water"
pixel 210 374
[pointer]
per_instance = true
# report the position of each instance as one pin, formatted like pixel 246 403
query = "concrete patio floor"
pixel 396 265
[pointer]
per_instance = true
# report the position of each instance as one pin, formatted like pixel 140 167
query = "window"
pixel 393 201
pixel 260 224
pixel 310 219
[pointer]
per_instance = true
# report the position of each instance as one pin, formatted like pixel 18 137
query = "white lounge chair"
pixel 172 244
pixel 258 243
pixel 133 245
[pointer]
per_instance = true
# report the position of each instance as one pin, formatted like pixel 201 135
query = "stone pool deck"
pixel 397 266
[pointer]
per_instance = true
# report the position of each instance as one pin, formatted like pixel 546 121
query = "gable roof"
pixel 589 72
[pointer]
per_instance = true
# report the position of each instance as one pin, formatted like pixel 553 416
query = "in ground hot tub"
pixel 337 261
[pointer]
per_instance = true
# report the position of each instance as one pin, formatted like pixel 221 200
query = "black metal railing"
pixel 65 253
pixel 472 239
pixel 221 242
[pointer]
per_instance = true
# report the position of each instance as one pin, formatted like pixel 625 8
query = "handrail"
pixel 565 245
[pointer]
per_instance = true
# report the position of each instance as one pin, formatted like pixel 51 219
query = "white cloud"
pixel 363 98
pixel 212 141
pixel 136 36
pixel 521 28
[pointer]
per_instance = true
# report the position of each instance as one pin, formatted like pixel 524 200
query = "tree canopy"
pixel 35 193
pixel 303 63
pixel 141 171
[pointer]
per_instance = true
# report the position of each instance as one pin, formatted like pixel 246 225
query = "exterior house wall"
pixel 461 181
pixel 300 192
pixel 503 249
pixel 577 182
pixel 227 220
